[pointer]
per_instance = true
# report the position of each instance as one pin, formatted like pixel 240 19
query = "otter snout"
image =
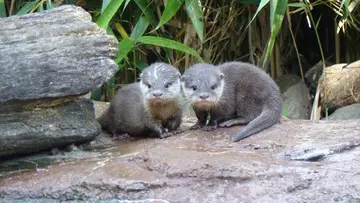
pixel 204 96
pixel 157 93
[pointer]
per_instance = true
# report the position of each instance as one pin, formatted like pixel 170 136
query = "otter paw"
pixel 120 136
pixel 196 126
pixel 209 127
pixel 171 133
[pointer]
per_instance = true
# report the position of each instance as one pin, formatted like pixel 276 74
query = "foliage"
pixel 267 33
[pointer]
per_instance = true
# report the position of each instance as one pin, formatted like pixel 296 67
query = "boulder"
pixel 47 61
pixel 346 112
pixel 293 161
pixel 54 53
pixel 41 129
pixel 295 95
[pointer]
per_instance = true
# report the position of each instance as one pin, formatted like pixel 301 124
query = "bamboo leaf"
pixel 345 3
pixel 140 28
pixel 27 8
pixel 2 9
pixel 108 13
pixel 170 10
pixel 277 11
pixel 105 3
pixel 167 43
pixel 261 5
pixel 40 8
pixel 297 5
pixel 49 5
pixel 126 3
pixel 125 46
pixel 193 9
pixel 147 10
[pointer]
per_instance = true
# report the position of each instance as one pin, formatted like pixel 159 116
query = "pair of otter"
pixel 231 93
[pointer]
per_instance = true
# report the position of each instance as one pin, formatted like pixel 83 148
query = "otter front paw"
pixel 210 127
pixel 171 133
pixel 198 125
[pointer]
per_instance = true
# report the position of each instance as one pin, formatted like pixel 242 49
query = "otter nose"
pixel 204 96
pixel 157 94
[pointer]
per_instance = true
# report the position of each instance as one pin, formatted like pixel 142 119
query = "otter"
pixel 232 93
pixel 150 107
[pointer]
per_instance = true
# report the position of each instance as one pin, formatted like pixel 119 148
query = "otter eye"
pixel 213 87
pixel 149 86
pixel 167 85
pixel 193 87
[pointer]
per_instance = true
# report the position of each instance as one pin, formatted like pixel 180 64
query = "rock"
pixel 199 166
pixel 54 53
pixel 100 107
pixel 43 129
pixel 295 95
pixel 346 112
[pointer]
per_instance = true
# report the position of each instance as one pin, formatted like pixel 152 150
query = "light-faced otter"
pixel 151 107
pixel 233 93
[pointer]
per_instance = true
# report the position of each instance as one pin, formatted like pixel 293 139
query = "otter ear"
pixel 182 78
pixel 141 74
pixel 221 76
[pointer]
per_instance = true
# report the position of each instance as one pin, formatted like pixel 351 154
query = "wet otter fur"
pixel 151 107
pixel 233 93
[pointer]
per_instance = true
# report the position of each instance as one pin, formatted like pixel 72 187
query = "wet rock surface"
pixel 199 166
pixel 41 129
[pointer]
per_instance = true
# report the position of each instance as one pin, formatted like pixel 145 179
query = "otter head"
pixel 160 83
pixel 202 86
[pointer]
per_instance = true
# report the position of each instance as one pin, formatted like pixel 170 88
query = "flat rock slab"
pixel 199 166
pixel 41 129
pixel 54 53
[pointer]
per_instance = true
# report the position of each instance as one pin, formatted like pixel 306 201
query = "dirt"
pixel 198 166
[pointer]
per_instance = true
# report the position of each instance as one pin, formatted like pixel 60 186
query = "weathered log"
pixel 55 53
pixel 41 129
pixel 340 85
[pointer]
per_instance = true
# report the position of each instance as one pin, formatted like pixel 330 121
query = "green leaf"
pixel 345 3
pixel 297 5
pixel 261 5
pixel 40 8
pixel 170 10
pixel 125 47
pixel 140 28
pixel 26 8
pixel 285 111
pixel 2 9
pixel 108 13
pixel 49 5
pixel 105 3
pixel 147 10
pixel 126 3
pixel 163 42
pixel 277 12
pixel 193 9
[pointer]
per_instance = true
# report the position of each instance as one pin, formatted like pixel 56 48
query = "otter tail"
pixel 103 119
pixel 270 115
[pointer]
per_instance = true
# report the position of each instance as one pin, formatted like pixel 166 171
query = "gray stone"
pixel 43 129
pixel 347 112
pixel 54 53
pixel 294 93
